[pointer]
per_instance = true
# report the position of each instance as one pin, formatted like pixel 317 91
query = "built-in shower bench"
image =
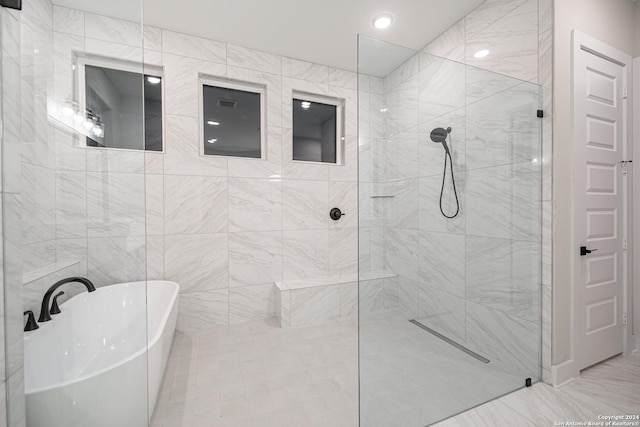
pixel 314 300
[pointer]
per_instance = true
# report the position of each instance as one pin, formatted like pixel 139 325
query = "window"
pixel 232 118
pixel 120 107
pixel 317 128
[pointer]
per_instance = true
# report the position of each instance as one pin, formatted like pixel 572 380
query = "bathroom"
pixel 354 229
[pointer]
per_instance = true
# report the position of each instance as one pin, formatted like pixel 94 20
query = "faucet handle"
pixel 55 309
pixel 31 325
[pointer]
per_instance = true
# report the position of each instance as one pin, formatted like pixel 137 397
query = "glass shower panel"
pixel 82 213
pixel 455 319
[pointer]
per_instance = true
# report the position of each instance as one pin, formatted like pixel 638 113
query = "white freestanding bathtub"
pixel 100 362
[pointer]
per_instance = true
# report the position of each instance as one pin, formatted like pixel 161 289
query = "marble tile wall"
pixel 476 278
pixel 224 228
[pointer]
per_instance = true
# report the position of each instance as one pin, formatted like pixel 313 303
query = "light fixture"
pixel 213 123
pixel 384 110
pixel 481 53
pixel 382 21
pixel 153 80
pixel 212 140
pixel 305 105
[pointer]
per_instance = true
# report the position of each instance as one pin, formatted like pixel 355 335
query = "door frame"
pixel 581 41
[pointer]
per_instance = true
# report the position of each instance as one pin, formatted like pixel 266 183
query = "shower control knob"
pixel 335 214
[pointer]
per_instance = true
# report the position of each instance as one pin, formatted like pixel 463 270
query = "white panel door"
pixel 599 131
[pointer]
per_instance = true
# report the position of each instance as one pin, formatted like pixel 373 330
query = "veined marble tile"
pixel 155 257
pixel 364 249
pixel 449 45
pixel 344 195
pixel 115 161
pixel 313 305
pixel 306 254
pixel 255 204
pixel 408 298
pixel 403 104
pixel 348 171
pixel 503 339
pixel 305 205
pixel 193 47
pixel 443 312
pixel 71 216
pixel 285 309
pixel 371 295
pixel 120 51
pixel 181 81
pixel 402 160
pixel 503 202
pixel 502 129
pixel 542 403
pixel 405 72
pixel 442 262
pixel 154 163
pixel 198 262
pixel 117 259
pixel 512 41
pixel 39 254
pixel 195 204
pixel 16 411
pixel 152 38
pixel 182 155
pixel 487 13
pixel 38 204
pixel 490 414
pixel 343 251
pixel 202 310
pixel 504 275
pixel 68 156
pixel 115 204
pixel 305 70
pixel 343 78
pixel 481 84
pixel 73 249
pixel 390 291
pixel 431 219
pixel 442 84
pixel 154 205
pixel 251 303
pixel 111 29
pixel 401 253
pixel 255 258
pixel 253 59
pixel 364 113
pixel 402 210
pixel 363 83
pixel 376 85
pixel 348 299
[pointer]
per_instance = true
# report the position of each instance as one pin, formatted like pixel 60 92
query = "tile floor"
pixel 257 374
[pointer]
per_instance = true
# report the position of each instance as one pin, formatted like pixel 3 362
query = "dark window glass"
pixel 231 122
pixel 115 109
pixel 314 131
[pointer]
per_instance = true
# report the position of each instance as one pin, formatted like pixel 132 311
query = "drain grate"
pixel 451 342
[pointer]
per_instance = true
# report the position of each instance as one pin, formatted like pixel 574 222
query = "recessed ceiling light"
pixel 212 140
pixel 213 123
pixel 154 80
pixel 481 53
pixel 382 21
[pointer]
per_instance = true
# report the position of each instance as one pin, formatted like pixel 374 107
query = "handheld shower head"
pixel 439 135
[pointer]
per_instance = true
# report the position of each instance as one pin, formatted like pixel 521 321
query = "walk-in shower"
pixel 460 244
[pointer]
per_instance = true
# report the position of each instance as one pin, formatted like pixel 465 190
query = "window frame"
pixel 83 59
pixel 339 103
pixel 233 84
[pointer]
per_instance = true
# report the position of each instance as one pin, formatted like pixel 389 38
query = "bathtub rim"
pixel 150 342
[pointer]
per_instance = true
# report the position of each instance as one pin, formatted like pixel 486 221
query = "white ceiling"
pixel 321 31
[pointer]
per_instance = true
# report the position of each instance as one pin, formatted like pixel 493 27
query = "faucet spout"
pixel 45 315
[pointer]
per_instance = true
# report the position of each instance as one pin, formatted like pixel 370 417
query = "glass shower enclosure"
pixel 455 320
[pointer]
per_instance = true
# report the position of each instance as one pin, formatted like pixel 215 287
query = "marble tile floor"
pixel 257 374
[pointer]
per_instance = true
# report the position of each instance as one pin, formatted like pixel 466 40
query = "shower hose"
pixel 447 155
